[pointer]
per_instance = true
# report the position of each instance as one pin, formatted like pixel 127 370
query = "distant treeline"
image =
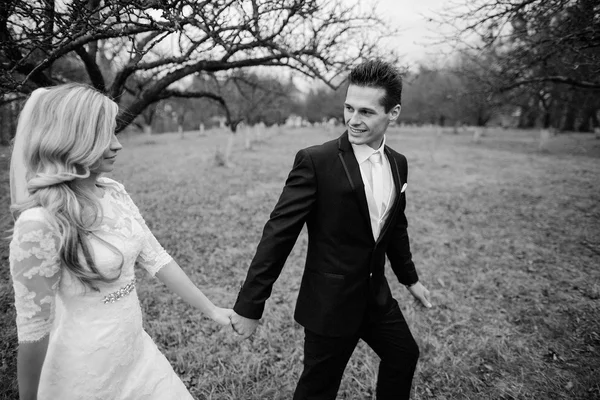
pixel 451 96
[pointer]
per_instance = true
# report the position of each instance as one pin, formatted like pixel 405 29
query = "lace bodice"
pixel 39 279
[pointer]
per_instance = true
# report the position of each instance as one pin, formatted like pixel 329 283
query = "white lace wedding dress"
pixel 97 346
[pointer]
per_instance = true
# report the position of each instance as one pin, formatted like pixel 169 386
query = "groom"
pixel 350 193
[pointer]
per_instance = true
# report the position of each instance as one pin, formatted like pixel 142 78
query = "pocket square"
pixel 403 188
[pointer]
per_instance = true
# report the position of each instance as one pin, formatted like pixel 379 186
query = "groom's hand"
pixel 420 293
pixel 243 326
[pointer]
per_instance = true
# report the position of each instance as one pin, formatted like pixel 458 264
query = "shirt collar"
pixel 362 152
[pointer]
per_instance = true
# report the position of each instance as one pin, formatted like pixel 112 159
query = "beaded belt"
pixel 124 291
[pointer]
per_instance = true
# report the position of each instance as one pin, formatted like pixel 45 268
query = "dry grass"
pixel 504 235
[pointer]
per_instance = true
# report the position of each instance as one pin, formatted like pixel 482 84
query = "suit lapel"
pixel 398 186
pixel 352 170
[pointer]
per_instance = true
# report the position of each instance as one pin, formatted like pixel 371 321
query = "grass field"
pixel 506 236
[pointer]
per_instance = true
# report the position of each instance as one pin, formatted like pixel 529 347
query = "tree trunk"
pixel 545 135
pixel 247 138
pixel 229 148
pixel 569 123
pixel 546 120
pixel 589 120
pixel 482 118
pixel 8 123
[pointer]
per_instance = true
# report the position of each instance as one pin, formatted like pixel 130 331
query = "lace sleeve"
pixel 153 256
pixel 35 270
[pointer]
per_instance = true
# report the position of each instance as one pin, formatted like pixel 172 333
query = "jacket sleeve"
pixel 398 249
pixel 279 236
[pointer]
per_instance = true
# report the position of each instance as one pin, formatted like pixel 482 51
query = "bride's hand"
pixel 221 315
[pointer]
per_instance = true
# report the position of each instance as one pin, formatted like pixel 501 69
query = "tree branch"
pixel 554 79
pixel 92 69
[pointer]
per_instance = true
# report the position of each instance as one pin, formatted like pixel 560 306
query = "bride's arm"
pixel 154 259
pixel 30 359
pixel 35 272
pixel 177 281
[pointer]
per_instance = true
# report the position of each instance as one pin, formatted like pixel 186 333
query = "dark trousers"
pixel 325 358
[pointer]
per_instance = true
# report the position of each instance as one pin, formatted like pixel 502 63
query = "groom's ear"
pixel 394 112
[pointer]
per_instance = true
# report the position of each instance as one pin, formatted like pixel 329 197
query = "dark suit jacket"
pixel 344 271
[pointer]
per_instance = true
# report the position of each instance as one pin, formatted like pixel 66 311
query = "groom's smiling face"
pixel 365 115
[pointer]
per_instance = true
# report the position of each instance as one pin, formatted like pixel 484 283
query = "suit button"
pixel 371 274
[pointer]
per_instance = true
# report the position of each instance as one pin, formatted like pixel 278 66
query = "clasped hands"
pixel 243 326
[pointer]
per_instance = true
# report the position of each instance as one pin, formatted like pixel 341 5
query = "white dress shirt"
pixel 362 153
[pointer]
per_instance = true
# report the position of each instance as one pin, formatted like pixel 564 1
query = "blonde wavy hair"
pixel 66 131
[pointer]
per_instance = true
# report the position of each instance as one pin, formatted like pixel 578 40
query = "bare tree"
pixel 545 50
pixel 535 41
pixel 146 48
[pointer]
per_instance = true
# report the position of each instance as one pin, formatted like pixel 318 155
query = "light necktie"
pixel 377 180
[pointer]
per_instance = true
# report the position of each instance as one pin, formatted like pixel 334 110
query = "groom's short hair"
pixel 380 74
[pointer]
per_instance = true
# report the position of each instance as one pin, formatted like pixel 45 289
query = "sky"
pixel 416 41
pixel 417 38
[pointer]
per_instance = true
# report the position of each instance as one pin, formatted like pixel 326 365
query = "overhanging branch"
pixel 554 79
pixel 92 69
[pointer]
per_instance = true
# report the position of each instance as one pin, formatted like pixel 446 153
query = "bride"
pixel 76 238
